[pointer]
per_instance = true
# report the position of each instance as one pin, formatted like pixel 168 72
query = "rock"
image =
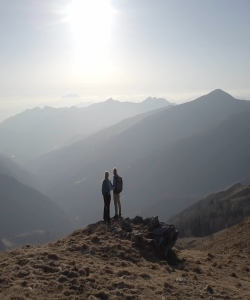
pixel 210 255
pixel 151 237
pixel 168 285
pixel 52 256
pixel 209 289
pixel 126 226
pixel 153 223
pixel 137 238
pixel 197 270
pixel 84 271
pixel 66 293
pixel 22 273
pixel 95 239
pixel 49 269
pixel 102 295
pixel 62 279
pixel 138 220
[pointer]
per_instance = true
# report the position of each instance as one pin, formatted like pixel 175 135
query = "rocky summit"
pixel 125 259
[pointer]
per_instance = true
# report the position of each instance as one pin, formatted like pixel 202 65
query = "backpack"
pixel 118 185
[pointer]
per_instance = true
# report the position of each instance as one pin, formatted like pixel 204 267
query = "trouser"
pixel 117 202
pixel 106 211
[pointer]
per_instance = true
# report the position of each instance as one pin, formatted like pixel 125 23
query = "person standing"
pixel 117 186
pixel 106 188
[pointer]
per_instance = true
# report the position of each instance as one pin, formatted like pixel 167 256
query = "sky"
pixel 124 49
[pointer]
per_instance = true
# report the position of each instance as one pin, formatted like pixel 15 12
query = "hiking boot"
pixel 116 216
pixel 120 215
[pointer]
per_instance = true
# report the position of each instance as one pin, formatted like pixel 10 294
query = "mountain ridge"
pixel 39 131
pixel 11 168
pixel 138 152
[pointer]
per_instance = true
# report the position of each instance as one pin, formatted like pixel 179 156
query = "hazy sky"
pixel 125 49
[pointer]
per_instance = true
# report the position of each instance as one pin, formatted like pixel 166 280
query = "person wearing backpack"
pixel 117 186
pixel 106 188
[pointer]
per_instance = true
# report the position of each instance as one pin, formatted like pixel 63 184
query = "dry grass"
pixel 98 263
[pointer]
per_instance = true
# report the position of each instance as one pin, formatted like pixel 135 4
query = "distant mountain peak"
pixel 110 100
pixel 149 99
pixel 219 92
pixel 215 96
pixel 153 100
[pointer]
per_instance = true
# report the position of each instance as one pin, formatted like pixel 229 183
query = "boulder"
pixel 151 236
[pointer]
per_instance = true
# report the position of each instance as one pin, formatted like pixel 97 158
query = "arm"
pixel 112 187
pixel 103 188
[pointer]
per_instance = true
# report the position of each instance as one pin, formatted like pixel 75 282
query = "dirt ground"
pixel 98 263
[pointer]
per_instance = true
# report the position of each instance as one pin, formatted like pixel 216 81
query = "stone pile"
pixel 153 238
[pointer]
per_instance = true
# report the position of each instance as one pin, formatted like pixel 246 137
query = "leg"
pixel 115 202
pixel 119 204
pixel 108 208
pixel 104 209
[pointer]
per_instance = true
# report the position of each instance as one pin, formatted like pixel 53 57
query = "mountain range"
pixel 38 131
pixel 168 160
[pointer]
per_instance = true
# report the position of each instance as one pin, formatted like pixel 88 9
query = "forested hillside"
pixel 216 212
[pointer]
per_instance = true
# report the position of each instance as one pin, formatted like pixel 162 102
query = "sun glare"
pixel 90 21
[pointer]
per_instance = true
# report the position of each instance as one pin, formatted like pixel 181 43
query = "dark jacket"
pixel 107 187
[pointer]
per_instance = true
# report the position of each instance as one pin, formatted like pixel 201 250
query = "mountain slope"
pixel 9 167
pixel 150 156
pixel 215 212
pixel 59 162
pixel 38 131
pixel 233 240
pixel 23 209
pixel 98 263
pixel 206 162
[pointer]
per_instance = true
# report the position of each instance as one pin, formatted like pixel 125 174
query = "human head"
pixel 114 171
pixel 106 175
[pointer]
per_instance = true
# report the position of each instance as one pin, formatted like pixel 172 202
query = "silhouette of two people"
pixel 107 187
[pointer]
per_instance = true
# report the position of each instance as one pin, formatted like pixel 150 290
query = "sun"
pixel 90 22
